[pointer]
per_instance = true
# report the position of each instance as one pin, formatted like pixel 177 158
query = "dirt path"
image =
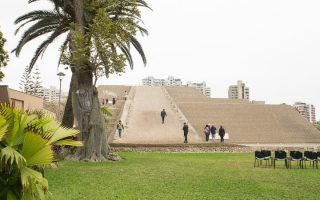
pixel 144 123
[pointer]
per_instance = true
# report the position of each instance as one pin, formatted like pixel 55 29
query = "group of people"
pixel 212 130
pixel 207 130
pixel 106 101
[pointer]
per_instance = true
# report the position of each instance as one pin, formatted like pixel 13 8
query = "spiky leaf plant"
pixel 26 142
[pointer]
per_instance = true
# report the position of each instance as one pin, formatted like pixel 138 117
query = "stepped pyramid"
pixel 244 122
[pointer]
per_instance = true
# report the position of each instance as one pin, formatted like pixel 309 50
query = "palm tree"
pixel 66 13
pixel 56 23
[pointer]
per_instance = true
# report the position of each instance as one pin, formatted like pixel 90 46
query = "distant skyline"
pixel 272 46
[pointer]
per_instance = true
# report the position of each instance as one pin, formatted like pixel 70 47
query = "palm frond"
pixel 139 49
pixel 42 48
pixel 69 142
pixel 33 146
pixel 10 156
pixel 31 34
pixel 3 126
pixel 28 174
pixel 143 31
pixel 127 53
pixel 17 123
pixel 62 133
pixel 45 127
pixel 33 16
pixel 64 45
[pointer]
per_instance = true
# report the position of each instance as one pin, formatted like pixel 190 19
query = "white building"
pixel 308 111
pixel 202 87
pixel 239 91
pixel 171 81
pixel 51 94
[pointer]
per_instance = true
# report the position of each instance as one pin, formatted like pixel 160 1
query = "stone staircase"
pixel 119 92
pixel 245 122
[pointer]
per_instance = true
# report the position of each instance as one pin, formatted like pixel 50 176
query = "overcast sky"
pixel 273 46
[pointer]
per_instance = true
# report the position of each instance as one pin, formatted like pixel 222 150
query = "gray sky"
pixel 273 46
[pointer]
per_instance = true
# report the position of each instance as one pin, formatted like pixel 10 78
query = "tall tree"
pixel 4 58
pixel 31 83
pixel 37 88
pixel 101 30
pixel 94 49
pixel 60 21
pixel 26 81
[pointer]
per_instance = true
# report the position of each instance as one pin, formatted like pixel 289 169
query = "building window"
pixel 17 103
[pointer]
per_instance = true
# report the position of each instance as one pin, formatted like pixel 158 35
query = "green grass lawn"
pixel 182 176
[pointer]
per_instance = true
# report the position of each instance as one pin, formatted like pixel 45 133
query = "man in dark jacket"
pixel 213 131
pixel 185 129
pixel 222 133
pixel 163 114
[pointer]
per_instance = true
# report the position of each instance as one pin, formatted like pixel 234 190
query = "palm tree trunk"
pixel 86 107
pixel 68 118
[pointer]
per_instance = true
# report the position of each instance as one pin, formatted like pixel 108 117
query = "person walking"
pixel 125 95
pixel 222 133
pixel 113 101
pixel 163 114
pixel 213 131
pixel 185 129
pixel 206 131
pixel 120 128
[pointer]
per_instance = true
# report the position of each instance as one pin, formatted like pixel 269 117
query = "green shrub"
pixel 26 142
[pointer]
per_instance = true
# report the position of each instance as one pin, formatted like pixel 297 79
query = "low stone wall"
pixel 210 148
pixel 183 148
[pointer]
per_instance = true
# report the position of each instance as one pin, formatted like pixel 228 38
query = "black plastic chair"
pixel 311 157
pixel 258 157
pixel 262 155
pixel 296 156
pixel 280 155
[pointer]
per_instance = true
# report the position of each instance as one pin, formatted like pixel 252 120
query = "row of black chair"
pixel 300 158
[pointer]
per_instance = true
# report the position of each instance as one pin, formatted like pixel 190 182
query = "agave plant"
pixel 26 142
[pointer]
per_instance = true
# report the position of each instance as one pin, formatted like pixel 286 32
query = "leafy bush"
pixel 26 142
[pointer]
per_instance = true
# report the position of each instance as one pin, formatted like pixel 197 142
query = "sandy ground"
pixel 144 124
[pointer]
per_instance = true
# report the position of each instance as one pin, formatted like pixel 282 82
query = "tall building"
pixel 312 113
pixel 170 81
pixel 239 91
pixel 202 87
pixel 308 111
pixel 51 94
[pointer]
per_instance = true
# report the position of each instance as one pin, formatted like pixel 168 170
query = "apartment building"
pixel 51 94
pixel 239 91
pixel 170 81
pixel 201 86
pixel 308 111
